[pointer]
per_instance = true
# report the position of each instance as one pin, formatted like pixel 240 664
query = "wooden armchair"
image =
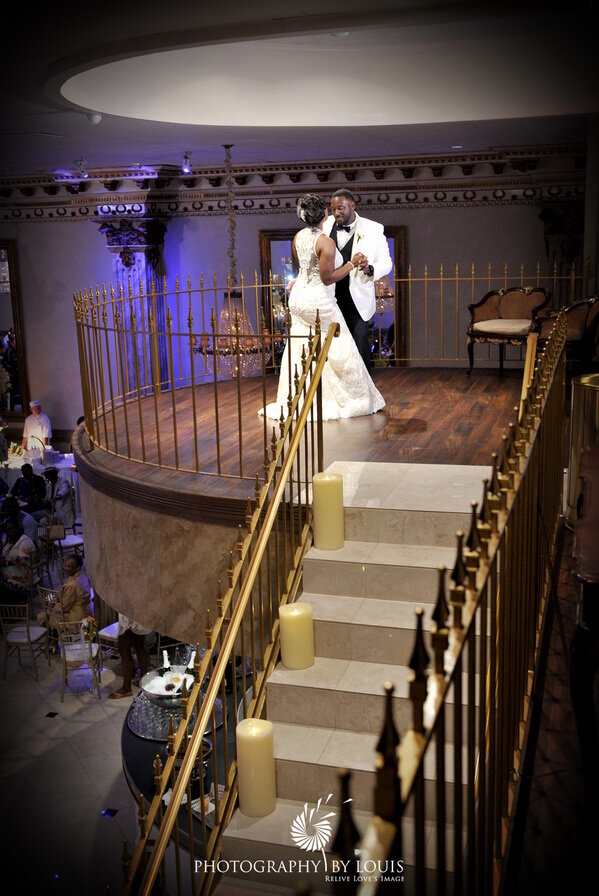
pixel 504 317
pixel 582 328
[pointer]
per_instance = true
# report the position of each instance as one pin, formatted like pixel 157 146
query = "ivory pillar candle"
pixel 327 507
pixel 256 767
pixel 296 630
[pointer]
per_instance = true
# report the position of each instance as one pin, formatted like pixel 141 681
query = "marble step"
pixel 357 628
pixel 344 694
pixel 421 504
pixel 381 571
pixel 256 841
pixel 307 759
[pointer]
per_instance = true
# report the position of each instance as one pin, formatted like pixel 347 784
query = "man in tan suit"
pixel 74 597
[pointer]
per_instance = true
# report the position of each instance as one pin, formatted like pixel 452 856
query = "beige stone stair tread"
pixel 439 488
pixel 371 553
pixel 366 611
pixel 349 675
pixel 349 749
pixel 274 828
pixel 334 674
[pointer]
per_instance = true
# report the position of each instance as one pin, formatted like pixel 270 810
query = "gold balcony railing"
pixel 264 572
pixel 161 371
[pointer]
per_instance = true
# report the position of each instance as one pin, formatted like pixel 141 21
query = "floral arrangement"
pixel 89 627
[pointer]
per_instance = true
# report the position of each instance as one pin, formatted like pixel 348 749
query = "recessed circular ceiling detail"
pixel 364 78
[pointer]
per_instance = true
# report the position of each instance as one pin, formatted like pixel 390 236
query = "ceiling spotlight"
pixel 94 117
pixel 81 169
pixel 457 146
pixel 186 166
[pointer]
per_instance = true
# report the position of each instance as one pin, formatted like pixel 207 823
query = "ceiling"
pixel 400 79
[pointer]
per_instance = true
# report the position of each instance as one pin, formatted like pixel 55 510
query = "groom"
pixel 363 243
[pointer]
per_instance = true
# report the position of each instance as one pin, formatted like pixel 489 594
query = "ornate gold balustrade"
pixel 160 369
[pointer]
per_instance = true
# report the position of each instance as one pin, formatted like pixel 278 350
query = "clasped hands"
pixel 361 262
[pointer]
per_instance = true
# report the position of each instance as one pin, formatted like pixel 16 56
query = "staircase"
pixel 400 524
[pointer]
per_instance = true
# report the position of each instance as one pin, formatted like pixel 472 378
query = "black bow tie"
pixel 344 227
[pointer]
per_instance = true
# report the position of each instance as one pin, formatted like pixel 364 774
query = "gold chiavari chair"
pixel 77 652
pixel 20 634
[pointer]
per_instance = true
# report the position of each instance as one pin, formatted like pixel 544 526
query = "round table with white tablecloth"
pixel 10 471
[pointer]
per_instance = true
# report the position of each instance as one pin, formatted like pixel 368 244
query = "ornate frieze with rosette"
pixel 523 175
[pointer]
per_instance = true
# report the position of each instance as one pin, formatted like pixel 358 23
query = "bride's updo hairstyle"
pixel 311 209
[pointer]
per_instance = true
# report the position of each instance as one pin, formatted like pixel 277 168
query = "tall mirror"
pixel 14 394
pixel 278 265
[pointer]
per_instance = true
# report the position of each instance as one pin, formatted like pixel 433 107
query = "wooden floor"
pixel 432 416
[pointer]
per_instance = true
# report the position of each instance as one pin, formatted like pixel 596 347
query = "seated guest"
pixel 58 498
pixel 37 430
pixel 130 634
pixel 3 486
pixel 12 511
pixel 30 489
pixel 15 572
pixel 74 596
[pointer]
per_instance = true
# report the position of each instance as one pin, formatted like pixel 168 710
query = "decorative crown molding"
pixel 516 175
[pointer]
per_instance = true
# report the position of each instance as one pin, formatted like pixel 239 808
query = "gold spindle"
pixel 417 679
pixel 156 382
pixel 239 403
pixel 157 774
pixel 208 628
pixel 458 574
pixel 439 631
pixel 248 515
pixel 239 542
pixel 110 384
pixel 273 445
pixel 216 417
pixel 426 311
pixel 409 306
pixel 230 569
pixel 137 384
pixel 457 311
pixel 171 736
pixel 387 792
pixel 473 549
pixel 142 817
pixel 184 697
pixel 442 321
pixel 257 490
pixel 193 380
pixel 484 521
pixel 169 331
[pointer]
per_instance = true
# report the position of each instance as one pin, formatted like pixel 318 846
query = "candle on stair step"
pixel 296 629
pixel 256 767
pixel 327 507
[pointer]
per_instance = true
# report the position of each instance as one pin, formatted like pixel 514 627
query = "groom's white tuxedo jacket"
pixel 369 239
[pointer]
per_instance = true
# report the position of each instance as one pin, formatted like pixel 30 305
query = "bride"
pixel 347 388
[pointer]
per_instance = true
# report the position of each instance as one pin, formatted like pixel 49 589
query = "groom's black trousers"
pixel 358 327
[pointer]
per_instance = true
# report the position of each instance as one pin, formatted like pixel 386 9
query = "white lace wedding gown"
pixel 347 388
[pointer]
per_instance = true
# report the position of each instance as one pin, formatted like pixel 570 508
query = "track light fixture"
pixel 81 169
pixel 186 166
